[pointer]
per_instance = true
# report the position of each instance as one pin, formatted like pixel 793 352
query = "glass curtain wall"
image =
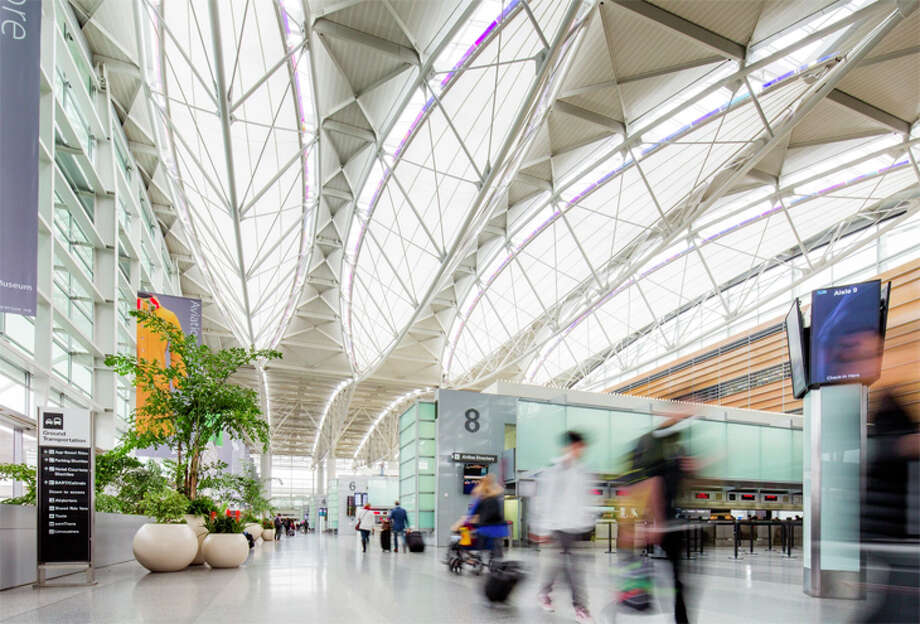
pixel 99 243
pixel 735 451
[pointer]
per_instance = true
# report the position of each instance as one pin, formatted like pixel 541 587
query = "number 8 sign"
pixel 472 420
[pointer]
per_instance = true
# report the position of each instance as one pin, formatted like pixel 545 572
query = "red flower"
pixel 237 514
pixel 213 515
pixel 228 513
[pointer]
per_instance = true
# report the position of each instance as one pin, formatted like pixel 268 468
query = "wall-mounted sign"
pixel 65 488
pixel 473 457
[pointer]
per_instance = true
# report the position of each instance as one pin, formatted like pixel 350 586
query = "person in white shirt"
pixel 365 525
pixel 562 514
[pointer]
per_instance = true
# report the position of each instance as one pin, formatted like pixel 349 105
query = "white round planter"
pixel 225 550
pixel 254 529
pixel 165 547
pixel 268 535
pixel 196 524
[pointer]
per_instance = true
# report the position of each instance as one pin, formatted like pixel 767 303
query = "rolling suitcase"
pixel 502 578
pixel 385 540
pixel 414 542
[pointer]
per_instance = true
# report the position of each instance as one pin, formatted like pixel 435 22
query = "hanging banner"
pixel 20 66
pixel 181 312
pixel 65 486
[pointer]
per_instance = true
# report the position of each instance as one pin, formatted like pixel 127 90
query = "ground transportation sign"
pixel 65 486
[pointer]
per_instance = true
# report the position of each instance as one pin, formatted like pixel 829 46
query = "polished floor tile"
pixel 327 579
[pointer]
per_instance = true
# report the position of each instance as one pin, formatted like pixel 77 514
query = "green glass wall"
pixel 417 452
pixel 734 451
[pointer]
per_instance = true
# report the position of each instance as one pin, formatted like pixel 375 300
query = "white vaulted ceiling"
pixel 403 194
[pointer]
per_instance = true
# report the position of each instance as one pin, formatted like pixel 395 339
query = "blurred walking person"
pixel 562 515
pixel 658 471
pixel 889 533
pixel 400 522
pixel 365 525
pixel 487 516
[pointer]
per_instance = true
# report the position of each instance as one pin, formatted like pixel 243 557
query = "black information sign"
pixel 65 488
pixel 474 457
pixel 63 509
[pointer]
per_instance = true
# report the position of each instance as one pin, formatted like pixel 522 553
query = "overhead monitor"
pixel 845 333
pixel 795 341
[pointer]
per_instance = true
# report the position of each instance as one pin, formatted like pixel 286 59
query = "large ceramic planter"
pixel 225 550
pixel 254 529
pixel 268 535
pixel 165 547
pixel 196 524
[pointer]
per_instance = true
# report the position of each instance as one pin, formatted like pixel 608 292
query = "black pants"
pixel 671 544
pixel 277 534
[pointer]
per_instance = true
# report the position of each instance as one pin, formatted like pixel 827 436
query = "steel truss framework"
pixel 239 72
pixel 710 248
pixel 401 193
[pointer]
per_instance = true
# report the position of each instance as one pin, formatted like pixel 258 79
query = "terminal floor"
pixel 327 579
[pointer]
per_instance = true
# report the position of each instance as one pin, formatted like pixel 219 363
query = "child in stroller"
pixel 463 552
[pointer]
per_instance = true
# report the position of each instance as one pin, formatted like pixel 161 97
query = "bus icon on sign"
pixel 52 420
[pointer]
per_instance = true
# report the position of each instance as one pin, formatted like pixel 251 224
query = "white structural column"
pixel 265 469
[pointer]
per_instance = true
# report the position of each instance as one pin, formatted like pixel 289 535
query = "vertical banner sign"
pixel 182 313
pixel 20 61
pixel 65 486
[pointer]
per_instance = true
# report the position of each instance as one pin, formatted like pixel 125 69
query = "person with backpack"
pixel 659 467
pixel 365 525
pixel 399 521
pixel 561 516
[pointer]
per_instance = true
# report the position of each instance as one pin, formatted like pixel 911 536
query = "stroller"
pixel 463 552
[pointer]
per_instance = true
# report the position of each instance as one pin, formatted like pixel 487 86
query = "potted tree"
pixel 191 401
pixel 225 546
pixel 168 545
pixel 268 530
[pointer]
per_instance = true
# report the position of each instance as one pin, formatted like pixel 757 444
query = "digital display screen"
pixel 472 475
pixel 621 492
pixel 747 497
pixel 795 342
pixel 597 492
pixel 702 495
pixel 844 327
pixel 770 497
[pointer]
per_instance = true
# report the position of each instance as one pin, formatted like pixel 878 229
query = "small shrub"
pixel 201 506
pixel 267 524
pixel 166 506
pixel 223 524
pixel 24 473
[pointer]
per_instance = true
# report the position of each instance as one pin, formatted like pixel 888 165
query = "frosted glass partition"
pixel 594 424
pixel 733 451
pixel 382 491
pixel 539 432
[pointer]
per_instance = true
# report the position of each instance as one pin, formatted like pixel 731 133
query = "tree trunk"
pixel 192 480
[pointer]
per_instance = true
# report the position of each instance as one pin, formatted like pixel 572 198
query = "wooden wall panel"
pixel 900 365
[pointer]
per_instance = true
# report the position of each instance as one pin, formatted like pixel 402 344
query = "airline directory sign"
pixel 65 486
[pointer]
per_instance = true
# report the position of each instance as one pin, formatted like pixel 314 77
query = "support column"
pixel 833 447
pixel 265 470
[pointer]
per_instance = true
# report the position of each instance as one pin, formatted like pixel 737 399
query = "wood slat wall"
pixel 900 366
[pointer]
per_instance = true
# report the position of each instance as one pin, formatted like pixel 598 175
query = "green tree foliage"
pixel 166 506
pixel 201 506
pixel 191 401
pixel 23 473
pixel 237 490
